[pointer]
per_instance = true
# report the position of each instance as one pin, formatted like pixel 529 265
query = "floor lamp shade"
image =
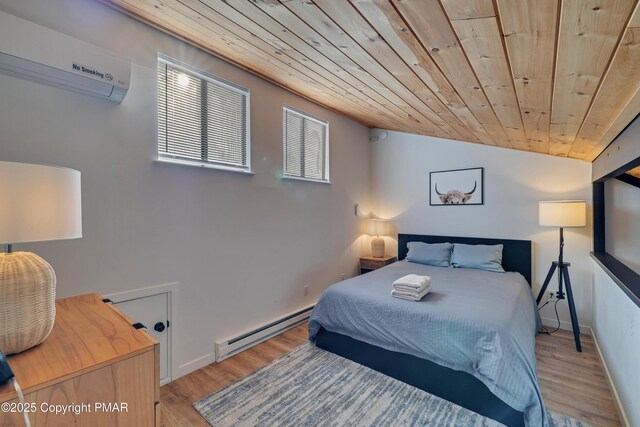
pixel 378 228
pixel 563 213
pixel 37 203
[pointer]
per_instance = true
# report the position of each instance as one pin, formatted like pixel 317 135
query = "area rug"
pixel 312 387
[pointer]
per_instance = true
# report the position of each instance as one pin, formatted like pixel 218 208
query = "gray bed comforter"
pixel 475 321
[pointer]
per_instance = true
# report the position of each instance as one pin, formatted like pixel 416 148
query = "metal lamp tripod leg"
pixel 563 273
pixel 546 282
pixel 572 309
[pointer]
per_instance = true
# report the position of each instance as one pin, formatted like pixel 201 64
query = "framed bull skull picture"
pixel 456 187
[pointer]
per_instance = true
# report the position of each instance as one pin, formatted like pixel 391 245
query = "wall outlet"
pixel 306 291
pixel 552 296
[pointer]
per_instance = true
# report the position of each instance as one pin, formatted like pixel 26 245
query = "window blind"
pixel 305 146
pixel 202 119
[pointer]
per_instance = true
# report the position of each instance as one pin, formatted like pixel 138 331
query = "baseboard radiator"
pixel 229 346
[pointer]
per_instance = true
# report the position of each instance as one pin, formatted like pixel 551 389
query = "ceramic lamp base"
pixel 27 301
pixel 377 247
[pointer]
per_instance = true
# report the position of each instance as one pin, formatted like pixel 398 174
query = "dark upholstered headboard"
pixel 516 254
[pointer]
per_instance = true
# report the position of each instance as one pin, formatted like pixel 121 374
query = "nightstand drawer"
pixel 369 263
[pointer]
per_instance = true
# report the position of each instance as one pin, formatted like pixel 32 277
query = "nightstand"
pixel 368 263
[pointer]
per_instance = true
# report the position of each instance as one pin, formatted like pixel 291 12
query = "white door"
pixel 153 312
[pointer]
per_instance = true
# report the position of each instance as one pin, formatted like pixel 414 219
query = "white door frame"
pixel 171 289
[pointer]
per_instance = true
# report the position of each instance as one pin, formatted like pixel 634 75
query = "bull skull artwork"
pixel 456 197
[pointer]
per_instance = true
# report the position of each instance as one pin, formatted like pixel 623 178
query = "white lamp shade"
pixel 563 213
pixel 378 227
pixel 39 203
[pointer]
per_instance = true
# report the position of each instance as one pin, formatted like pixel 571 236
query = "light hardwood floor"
pixel 572 383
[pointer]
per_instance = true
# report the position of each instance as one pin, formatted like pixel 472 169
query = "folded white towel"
pixel 411 296
pixel 405 288
pixel 412 282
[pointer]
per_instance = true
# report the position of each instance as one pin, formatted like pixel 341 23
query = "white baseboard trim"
pixel 552 322
pixel 229 346
pixel 612 386
pixel 195 364
pixel 210 358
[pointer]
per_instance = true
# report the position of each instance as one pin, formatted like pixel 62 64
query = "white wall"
pixel 616 318
pixel 622 222
pixel 242 247
pixel 514 183
pixel 616 325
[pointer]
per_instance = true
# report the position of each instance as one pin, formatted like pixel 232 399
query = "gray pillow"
pixel 481 257
pixel 437 254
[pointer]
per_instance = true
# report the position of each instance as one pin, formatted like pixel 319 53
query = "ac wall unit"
pixel 36 53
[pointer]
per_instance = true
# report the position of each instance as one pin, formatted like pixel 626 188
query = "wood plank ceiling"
pixel 559 77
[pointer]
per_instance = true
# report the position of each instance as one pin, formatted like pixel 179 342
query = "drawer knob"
pixel 159 327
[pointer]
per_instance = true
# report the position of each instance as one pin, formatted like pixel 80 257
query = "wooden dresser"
pixel 95 364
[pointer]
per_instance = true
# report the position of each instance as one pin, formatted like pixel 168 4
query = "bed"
pixel 471 340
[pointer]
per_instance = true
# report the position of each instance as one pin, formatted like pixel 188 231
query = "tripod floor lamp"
pixel 563 213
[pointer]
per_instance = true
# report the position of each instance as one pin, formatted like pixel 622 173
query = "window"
pixel 616 219
pixel 306 146
pixel 202 119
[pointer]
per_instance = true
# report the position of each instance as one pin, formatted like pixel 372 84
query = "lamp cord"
pixel 544 330
pixel 18 390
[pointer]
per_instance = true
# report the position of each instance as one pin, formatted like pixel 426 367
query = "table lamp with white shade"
pixel 37 203
pixel 562 214
pixel 378 228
